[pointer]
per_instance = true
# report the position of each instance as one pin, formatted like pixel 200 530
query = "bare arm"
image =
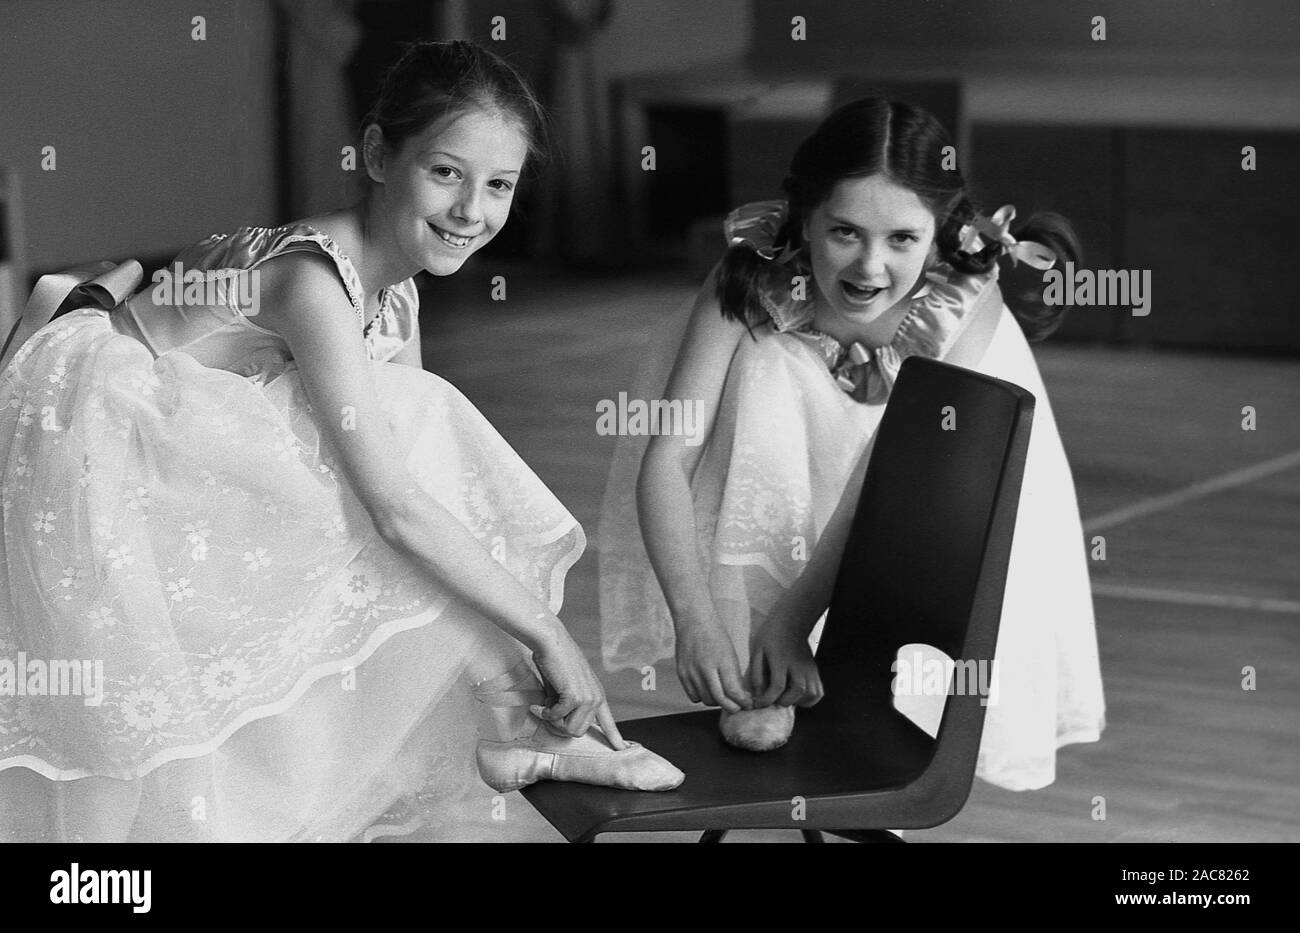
pixel 306 303
pixel 309 308
pixel 706 660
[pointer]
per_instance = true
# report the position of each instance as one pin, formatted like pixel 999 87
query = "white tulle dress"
pixel 775 465
pixel 271 668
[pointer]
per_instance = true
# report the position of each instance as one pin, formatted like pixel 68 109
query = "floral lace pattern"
pixel 187 527
pixel 190 528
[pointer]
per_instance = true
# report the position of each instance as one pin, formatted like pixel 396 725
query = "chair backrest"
pixel 927 554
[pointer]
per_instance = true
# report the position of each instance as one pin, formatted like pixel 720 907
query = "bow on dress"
pixel 102 284
pixel 868 373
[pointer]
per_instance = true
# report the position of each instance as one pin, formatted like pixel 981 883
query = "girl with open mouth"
pixel 716 555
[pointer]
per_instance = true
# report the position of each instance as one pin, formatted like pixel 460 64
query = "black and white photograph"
pixel 652 421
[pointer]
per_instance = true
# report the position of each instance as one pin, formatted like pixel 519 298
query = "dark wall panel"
pixel 1219 241
pixel 852 37
pixel 1067 170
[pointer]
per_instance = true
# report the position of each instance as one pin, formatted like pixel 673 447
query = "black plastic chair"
pixel 925 562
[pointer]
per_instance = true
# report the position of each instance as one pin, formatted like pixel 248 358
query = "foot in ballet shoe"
pixel 590 759
pixel 540 753
pixel 758 730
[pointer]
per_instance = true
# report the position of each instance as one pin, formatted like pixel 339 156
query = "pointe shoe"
pixel 589 759
pixel 544 754
pixel 758 730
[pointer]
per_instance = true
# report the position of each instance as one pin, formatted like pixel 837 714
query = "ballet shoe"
pixel 542 753
pixel 758 730
pixel 546 755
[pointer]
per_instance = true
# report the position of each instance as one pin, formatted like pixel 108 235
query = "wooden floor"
pixel 1195 587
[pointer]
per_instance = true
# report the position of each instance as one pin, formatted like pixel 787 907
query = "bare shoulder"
pixel 301 294
pixel 309 306
pixel 709 333
pixel 700 369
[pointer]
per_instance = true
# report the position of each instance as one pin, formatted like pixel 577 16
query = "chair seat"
pixel 725 788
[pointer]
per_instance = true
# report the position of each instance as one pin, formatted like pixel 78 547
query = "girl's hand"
pixel 575 696
pixel 782 669
pixel 708 667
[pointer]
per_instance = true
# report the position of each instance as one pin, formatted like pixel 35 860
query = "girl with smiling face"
pixel 299 556
pixel 722 555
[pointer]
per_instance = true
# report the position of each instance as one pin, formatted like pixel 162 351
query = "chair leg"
pixel 866 835
pixel 713 835
pixel 812 835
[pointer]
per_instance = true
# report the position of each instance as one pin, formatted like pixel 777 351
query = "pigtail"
pixel 948 242
pixel 739 276
pixel 1022 284
pixel 744 274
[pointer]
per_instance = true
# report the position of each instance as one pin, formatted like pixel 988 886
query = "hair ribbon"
pixel 998 230
pixel 757 225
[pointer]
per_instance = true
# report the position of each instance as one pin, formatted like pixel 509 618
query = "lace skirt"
pixel 205 636
pixel 770 475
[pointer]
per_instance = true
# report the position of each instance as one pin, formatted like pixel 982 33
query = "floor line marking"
pixel 1185 598
pixel 1227 480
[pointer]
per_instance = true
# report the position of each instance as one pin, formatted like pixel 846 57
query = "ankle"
pixel 508 697
pixel 510 723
